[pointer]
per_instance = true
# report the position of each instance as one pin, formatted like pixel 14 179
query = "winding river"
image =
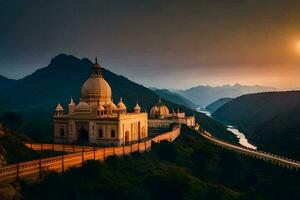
pixel 242 138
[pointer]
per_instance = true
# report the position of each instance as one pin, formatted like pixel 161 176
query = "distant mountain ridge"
pixel 204 95
pixel 174 97
pixel 217 104
pixel 270 119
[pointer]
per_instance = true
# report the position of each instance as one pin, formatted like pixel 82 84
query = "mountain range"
pixel 205 95
pixel 271 120
pixel 174 98
pixel 36 96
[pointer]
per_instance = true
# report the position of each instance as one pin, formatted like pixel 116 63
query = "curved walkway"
pixel 275 159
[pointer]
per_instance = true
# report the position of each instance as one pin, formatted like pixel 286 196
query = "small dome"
pixel 100 107
pixel 59 107
pixel 159 110
pixel 83 106
pixel 137 107
pixel 113 105
pixel 121 105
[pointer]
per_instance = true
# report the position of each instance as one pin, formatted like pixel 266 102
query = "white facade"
pixel 96 119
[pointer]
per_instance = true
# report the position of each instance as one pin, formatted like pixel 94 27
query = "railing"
pixel 275 159
pixel 38 168
pixel 69 148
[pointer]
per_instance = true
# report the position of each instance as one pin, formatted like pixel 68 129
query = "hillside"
pixel 12 149
pixel 6 82
pixel 217 104
pixel 175 98
pixel 36 96
pixel 204 95
pixel 188 168
pixel 271 120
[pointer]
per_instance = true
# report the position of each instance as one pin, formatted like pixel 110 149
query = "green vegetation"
pixel 217 104
pixel 188 168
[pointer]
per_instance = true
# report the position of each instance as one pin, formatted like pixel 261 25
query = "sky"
pixel 164 44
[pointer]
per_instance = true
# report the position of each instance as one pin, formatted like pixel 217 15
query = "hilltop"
pixel 271 120
pixel 217 104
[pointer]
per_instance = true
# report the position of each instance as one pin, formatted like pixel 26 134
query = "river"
pixel 242 138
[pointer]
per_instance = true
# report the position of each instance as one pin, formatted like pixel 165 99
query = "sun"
pixel 298 45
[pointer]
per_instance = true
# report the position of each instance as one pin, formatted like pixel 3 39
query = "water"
pixel 242 138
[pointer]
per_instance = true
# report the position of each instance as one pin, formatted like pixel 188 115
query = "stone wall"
pixel 36 169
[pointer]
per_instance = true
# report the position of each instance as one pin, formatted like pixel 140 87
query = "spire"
pixel 97 69
pixel 159 100
pixel 71 101
pixel 137 106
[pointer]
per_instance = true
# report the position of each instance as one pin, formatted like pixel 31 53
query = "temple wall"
pixel 36 169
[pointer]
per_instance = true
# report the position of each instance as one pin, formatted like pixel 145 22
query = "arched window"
pixel 62 132
pixel 100 133
pixel 113 133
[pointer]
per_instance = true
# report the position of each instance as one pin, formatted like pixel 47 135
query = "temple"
pixel 160 117
pixel 96 119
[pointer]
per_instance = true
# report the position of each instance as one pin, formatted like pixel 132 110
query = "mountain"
pixel 217 104
pixel 204 95
pixel 174 98
pixel 6 82
pixel 188 168
pixel 36 96
pixel 271 120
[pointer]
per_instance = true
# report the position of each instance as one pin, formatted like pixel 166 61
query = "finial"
pixel 121 99
pixel 159 100
pixel 71 101
pixel 96 69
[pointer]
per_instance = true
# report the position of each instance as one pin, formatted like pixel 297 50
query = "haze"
pixel 165 44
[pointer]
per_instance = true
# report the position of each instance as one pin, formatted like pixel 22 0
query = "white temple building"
pixel 96 119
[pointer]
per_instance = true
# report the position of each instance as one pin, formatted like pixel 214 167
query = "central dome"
pixel 96 89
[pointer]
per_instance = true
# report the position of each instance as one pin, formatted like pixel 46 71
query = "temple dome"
pixel 121 105
pixel 82 106
pixel 96 89
pixel 59 107
pixel 159 110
